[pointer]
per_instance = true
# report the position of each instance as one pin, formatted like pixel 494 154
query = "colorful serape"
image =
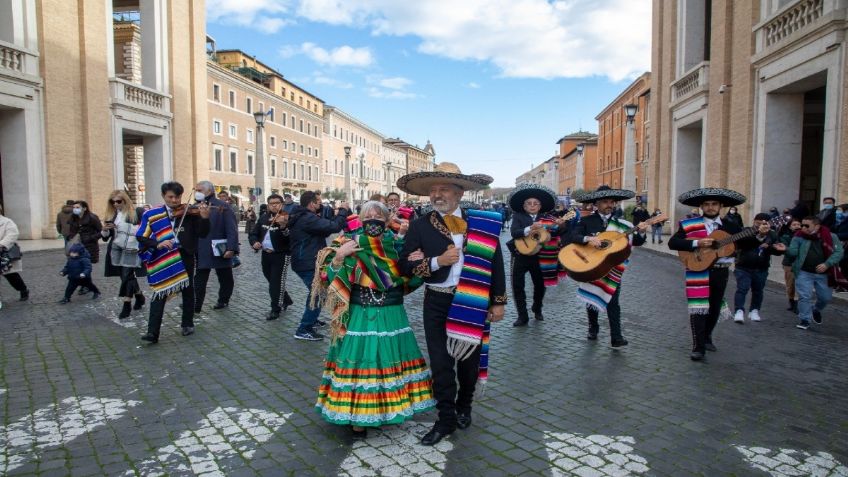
pixel 552 271
pixel 597 294
pixel 467 323
pixel 698 283
pixel 166 273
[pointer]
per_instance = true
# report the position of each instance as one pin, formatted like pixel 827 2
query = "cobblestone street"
pixel 80 395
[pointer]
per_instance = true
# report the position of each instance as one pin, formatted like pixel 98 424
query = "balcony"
pixel 138 97
pixel 693 82
pixel 796 20
pixel 17 61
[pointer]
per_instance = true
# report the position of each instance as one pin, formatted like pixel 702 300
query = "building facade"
pixel 238 86
pixel 578 157
pixel 394 159
pixel 126 124
pixel 752 96
pixel 417 159
pixel 366 172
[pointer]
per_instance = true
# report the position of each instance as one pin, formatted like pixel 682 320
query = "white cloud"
pixel 390 94
pixel 339 56
pixel 389 88
pixel 397 82
pixel 268 16
pixel 523 38
pixel 473 85
pixel 336 83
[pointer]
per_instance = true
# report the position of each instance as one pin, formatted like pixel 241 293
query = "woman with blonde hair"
pixel 122 258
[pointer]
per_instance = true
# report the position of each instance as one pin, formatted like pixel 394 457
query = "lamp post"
pixel 580 170
pixel 389 186
pixel 348 190
pixel 556 176
pixel 261 182
pixel 362 181
pixel 628 175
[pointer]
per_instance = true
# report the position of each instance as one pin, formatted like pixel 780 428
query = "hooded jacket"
pixel 79 265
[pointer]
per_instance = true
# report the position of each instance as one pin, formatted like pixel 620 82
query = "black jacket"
pixel 640 215
pixel 678 241
pixel 749 255
pixel 594 224
pixel 430 234
pixel 308 234
pixel 280 238
pixel 522 220
pixel 193 228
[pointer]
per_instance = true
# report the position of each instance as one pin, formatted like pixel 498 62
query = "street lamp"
pixel 261 184
pixel 630 111
pixel 389 186
pixel 347 174
pixel 556 176
pixel 628 175
pixel 580 148
pixel 362 181
pixel 579 171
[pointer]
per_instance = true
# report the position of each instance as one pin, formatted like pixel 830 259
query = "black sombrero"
pixel 605 192
pixel 696 197
pixel 526 191
pixel 418 183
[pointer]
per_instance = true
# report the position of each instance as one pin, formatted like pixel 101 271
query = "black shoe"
pixel 660 241
pixel 95 295
pixel 150 337
pixel 24 295
pixel 220 306
pixel 125 311
pixel 592 336
pixel 710 347
pixel 619 343
pixel 139 302
pixel 358 435
pixel 198 309
pixel 696 356
pixel 817 318
pixel 463 419
pixel 64 301
pixel 538 316
pixel 435 435
pixel 188 330
pixel 520 322
pixel 273 315
pixel 83 291
pixel 320 323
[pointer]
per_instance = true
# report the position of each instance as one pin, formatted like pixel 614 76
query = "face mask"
pixel 199 196
pixel 373 227
pixel 828 206
pixel 839 215
pixel 77 211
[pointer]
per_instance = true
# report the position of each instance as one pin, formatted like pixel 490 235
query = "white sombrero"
pixel 419 183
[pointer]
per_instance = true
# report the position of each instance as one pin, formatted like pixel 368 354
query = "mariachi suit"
pixel 275 260
pixel 430 234
pixel 592 225
pixel 521 264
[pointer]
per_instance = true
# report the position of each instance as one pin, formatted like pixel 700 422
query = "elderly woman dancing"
pixel 375 373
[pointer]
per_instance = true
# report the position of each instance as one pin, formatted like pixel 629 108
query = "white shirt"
pixel 456 268
pixel 266 242
pixel 527 229
pixel 712 225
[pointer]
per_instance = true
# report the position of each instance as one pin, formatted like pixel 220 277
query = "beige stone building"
pixel 578 154
pixel 367 172
pixel 238 86
pixel 752 96
pixel 96 96
pixel 417 159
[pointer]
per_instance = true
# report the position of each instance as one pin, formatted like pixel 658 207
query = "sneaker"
pixel 739 317
pixel 64 301
pixel 754 315
pixel 803 325
pixel 320 323
pixel 817 316
pixel 308 336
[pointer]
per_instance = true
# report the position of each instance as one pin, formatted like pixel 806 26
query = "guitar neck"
pixel 748 232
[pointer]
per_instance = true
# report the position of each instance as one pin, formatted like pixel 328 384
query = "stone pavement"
pixel 80 395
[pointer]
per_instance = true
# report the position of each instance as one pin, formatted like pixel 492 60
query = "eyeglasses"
pixel 117 201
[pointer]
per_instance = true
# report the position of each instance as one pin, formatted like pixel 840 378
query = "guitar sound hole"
pixel 605 244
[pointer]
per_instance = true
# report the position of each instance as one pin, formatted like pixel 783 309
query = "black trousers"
pixel 16 281
pixel 74 282
pixel 446 370
pixel 275 268
pixel 225 285
pixel 157 306
pixel 129 283
pixel 521 264
pixel 613 314
pixel 703 324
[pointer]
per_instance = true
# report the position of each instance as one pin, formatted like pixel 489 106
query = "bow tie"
pixel 455 224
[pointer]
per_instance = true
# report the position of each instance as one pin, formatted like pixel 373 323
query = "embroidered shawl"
pixel 166 273
pixel 597 294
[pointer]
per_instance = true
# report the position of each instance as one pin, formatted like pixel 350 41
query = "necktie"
pixel 455 224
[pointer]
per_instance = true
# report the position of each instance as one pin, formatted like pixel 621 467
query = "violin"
pixel 193 209
pixel 278 218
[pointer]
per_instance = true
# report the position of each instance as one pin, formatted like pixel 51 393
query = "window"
pixel 309 170
pixel 285 169
pixel 300 100
pixel 308 104
pixel 285 119
pixel 301 125
pixel 271 114
pixel 302 167
pixel 249 163
pixel 250 136
pixel 216 127
pixel 309 149
pixel 273 167
pixel 294 170
pixel 218 155
pixel 292 121
pixel 234 162
pixel 334 130
pixel 293 146
pixel 216 92
pixel 301 148
pixel 316 154
pixel 232 99
pixel 285 145
pixel 249 105
pixel 292 96
pixel 272 140
pixel 233 131
pixel 309 128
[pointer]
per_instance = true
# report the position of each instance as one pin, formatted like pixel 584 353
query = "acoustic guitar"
pixel 531 244
pixel 585 263
pixel 724 245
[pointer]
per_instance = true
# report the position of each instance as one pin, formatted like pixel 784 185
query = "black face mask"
pixel 373 227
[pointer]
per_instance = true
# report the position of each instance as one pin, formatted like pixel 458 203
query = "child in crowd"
pixel 78 271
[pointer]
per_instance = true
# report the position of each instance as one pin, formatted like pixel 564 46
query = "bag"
pixel 14 252
pixel 219 247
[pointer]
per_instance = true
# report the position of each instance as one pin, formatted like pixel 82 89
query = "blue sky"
pixel 492 83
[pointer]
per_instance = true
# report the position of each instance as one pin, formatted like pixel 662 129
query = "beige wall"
pixel 344 130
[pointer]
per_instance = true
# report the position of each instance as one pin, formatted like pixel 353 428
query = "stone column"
pixel 134 173
pixel 128 52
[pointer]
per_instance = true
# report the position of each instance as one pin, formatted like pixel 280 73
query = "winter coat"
pixel 122 250
pixel 308 235
pixel 799 247
pixel 79 265
pixel 750 256
pixel 8 237
pixel 63 219
pixel 88 227
pixel 222 226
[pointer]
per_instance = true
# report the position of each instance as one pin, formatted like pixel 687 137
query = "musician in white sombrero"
pixel 532 222
pixel 603 294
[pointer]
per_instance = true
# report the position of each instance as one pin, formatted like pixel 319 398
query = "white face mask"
pixel 199 196
pixel 77 211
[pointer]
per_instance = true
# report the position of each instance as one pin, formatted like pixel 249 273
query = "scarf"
pixel 698 283
pixel 467 324
pixel 166 273
pixel 552 272
pixel 374 267
pixel 835 278
pixel 597 294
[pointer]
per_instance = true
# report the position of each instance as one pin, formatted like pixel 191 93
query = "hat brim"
pixel 419 183
pixel 614 194
pixel 541 193
pixel 727 197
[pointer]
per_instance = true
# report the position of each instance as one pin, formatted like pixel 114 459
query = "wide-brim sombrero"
pixel 696 197
pixel 605 192
pixel 419 183
pixel 535 191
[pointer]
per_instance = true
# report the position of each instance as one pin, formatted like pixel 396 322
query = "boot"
pixel 139 301
pixel 125 311
pixel 24 295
